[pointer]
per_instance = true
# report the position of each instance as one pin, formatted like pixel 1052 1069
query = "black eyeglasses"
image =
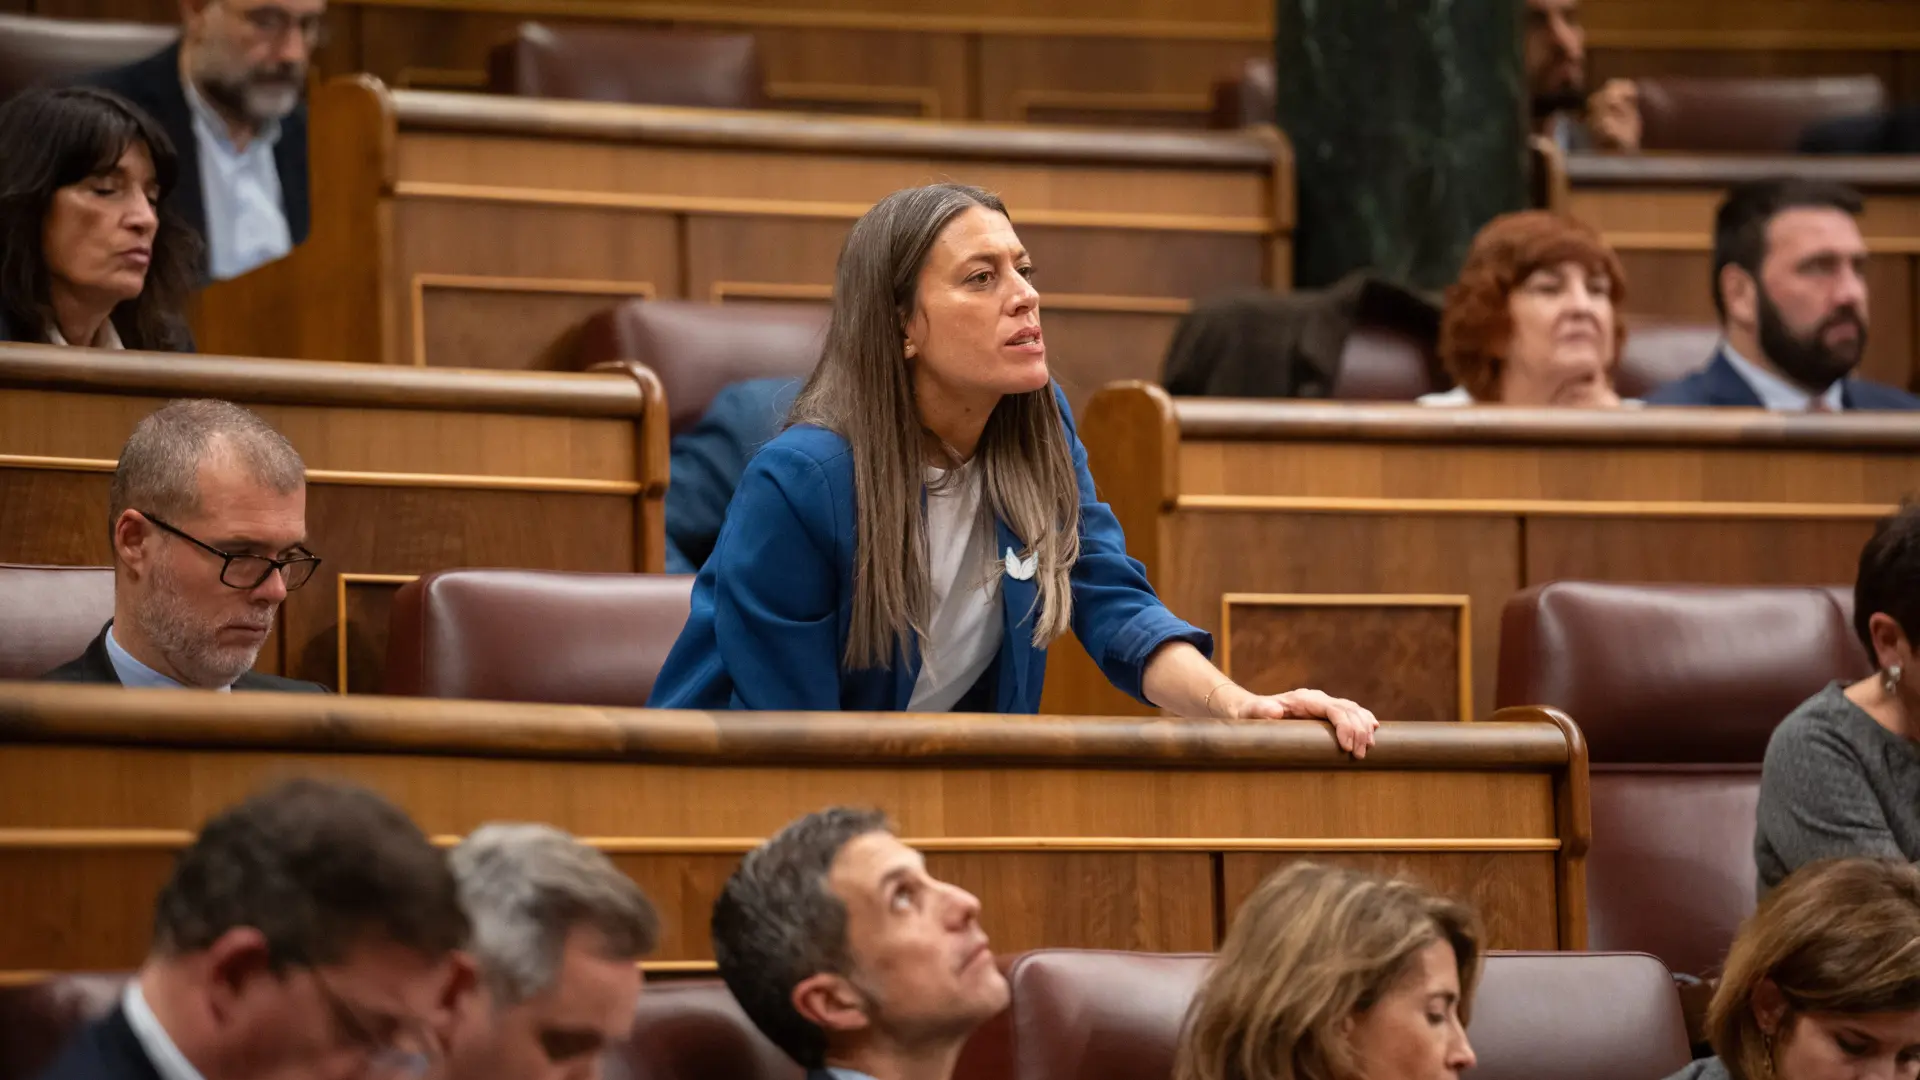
pixel 249 571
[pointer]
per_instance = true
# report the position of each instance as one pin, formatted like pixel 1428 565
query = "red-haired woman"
pixel 1534 318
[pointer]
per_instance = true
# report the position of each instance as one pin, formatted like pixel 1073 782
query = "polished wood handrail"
pixel 1277 420
pixel 1721 170
pixel 1521 739
pixel 431 110
pixel 320 382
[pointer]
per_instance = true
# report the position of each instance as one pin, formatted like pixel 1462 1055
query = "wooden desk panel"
pixel 1657 211
pixel 409 471
pixel 1100 833
pixel 1371 503
pixel 479 231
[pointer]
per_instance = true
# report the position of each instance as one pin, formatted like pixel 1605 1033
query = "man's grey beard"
pixel 247 92
pixel 189 645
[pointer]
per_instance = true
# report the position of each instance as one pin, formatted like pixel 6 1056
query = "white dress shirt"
pixel 964 632
pixel 1776 393
pixel 246 218
pixel 104 338
pixel 167 1059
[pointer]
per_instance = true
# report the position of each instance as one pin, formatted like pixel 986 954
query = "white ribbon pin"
pixel 1020 569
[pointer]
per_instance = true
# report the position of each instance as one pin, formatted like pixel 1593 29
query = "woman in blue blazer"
pixel 927 525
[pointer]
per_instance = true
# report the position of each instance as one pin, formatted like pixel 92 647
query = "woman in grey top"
pixel 1842 772
pixel 1823 982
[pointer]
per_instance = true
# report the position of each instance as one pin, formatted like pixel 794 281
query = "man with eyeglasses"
pixel 209 527
pixel 306 934
pixel 230 93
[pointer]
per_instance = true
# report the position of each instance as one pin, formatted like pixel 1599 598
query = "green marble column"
pixel 1407 123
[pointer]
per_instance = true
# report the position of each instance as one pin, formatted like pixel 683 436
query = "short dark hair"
pixel 778 923
pixel 1740 225
pixel 51 138
pixel 1889 577
pixel 318 868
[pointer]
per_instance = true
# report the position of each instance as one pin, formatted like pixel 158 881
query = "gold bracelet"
pixel 1206 703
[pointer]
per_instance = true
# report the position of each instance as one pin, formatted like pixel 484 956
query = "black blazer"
pixel 154 85
pixel 106 1049
pixel 1894 132
pixel 95 666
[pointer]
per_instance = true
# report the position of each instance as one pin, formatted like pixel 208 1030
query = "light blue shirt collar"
pixel 834 1071
pixel 160 1049
pixel 138 676
pixel 1776 393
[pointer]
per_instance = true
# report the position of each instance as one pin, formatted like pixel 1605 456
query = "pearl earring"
pixel 1890 679
pixel 910 350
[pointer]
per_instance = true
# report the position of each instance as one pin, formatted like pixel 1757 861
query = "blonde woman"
pixel 927 527
pixel 1823 981
pixel 1336 974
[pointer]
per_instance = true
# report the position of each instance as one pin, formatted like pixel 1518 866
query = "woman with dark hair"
pixel 1823 981
pixel 1842 772
pixel 927 526
pixel 1534 317
pixel 86 258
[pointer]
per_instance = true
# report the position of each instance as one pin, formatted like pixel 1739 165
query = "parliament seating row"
pixel 628 64
pixel 1075 1015
pixel 481 231
pixel 1695 114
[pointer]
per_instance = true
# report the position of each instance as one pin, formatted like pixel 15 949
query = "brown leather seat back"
pixel 1577 1016
pixel 1378 363
pixel 630 65
pixel 698 349
pixel 1670 674
pixel 1678 689
pixel 534 635
pixel 1762 115
pixel 36 50
pixel 37 1019
pixel 1670 870
pixel 694 1030
pixel 49 614
pixel 1658 353
pixel 1091 1015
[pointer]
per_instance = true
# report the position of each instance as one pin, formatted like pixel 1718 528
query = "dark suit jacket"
pixel 1268 345
pixel 103 1050
pixel 1896 131
pixel 154 85
pixel 708 460
pixel 95 666
pixel 1719 384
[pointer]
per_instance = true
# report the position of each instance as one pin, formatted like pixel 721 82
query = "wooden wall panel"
pixel 502 325
pixel 1140 901
pixel 1407 657
pixel 1707 552
pixel 1127 855
pixel 1136 82
pixel 1498 885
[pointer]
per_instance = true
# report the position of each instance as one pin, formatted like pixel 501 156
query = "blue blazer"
pixel 773 606
pixel 1719 384
pixel 707 461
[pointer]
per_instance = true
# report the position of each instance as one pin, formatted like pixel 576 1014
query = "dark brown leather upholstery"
pixel 1247 98
pixel 1677 689
pixel 1089 1015
pixel 48 615
pixel 1382 364
pixel 1659 352
pixel 37 50
pixel 697 349
pixel 625 64
pixel 36 1018
pixel 694 1030
pixel 1763 115
pixel 1670 674
pixel 534 635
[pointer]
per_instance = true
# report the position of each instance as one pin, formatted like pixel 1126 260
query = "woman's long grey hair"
pixel 863 391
